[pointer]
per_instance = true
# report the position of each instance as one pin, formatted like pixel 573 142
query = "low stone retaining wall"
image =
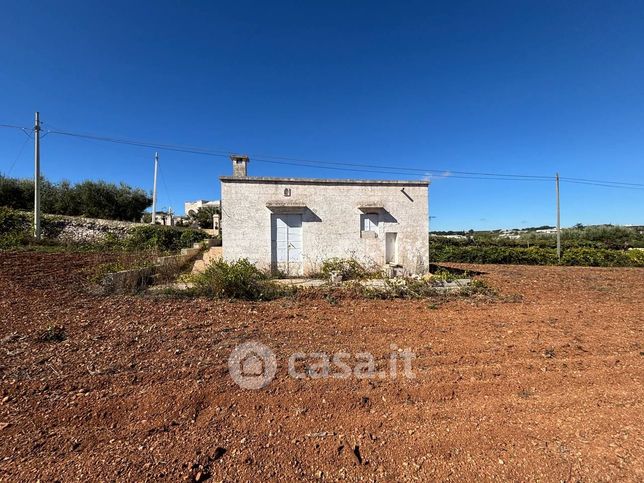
pixel 129 281
pixel 73 229
pixel 85 230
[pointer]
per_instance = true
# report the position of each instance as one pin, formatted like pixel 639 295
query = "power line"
pixel 605 185
pixel 17 157
pixel 340 166
pixel 26 130
pixel 583 180
pixel 302 162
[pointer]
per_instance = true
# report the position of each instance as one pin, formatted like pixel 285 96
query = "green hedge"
pixel 593 257
pixel 505 255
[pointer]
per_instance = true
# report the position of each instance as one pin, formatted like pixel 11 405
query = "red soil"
pixel 543 383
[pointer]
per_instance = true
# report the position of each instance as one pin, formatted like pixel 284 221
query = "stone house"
pixel 292 225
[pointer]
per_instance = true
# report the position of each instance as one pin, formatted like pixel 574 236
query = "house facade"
pixel 292 225
pixel 191 208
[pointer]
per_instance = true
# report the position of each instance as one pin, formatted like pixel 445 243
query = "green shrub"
pixel 162 238
pixel 14 228
pixel 637 257
pixel 597 257
pixel 190 237
pixel 491 254
pixel 583 256
pixel 236 280
pixel 12 221
pixel 14 240
pixel 348 268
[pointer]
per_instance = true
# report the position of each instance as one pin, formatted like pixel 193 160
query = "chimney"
pixel 240 165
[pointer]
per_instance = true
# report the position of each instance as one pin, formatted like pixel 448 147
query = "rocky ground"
pixel 543 382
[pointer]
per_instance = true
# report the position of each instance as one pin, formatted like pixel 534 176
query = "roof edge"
pixel 251 179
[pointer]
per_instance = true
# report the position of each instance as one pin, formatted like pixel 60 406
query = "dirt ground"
pixel 543 383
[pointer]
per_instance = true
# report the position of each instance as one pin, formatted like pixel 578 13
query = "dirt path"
pixel 543 384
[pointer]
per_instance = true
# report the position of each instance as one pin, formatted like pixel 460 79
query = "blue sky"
pixel 521 87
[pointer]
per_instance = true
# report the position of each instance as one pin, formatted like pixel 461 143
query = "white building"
pixel 294 224
pixel 190 208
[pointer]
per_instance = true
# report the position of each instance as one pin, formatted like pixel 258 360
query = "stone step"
pixel 209 256
pixel 189 251
pixel 199 266
pixel 207 243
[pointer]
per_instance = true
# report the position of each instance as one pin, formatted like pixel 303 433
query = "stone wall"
pixel 84 230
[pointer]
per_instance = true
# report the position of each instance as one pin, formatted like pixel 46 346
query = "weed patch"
pixel 236 280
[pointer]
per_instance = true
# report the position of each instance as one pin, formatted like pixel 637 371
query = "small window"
pixel 370 222
pixel 287 192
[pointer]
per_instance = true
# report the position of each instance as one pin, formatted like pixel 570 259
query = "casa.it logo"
pixel 252 365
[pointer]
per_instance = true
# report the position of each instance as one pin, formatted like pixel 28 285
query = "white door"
pixel 287 243
pixel 391 248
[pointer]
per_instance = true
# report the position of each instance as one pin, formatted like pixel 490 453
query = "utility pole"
pixel 37 176
pixel 154 188
pixel 558 220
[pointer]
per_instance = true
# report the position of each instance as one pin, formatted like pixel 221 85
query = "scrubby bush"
pixel 637 257
pixel 13 221
pixel 236 280
pixel 596 257
pixel 348 268
pixel 14 228
pixel 161 238
pixel 190 237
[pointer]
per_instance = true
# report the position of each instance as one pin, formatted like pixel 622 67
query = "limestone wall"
pixel 331 220
pixel 84 230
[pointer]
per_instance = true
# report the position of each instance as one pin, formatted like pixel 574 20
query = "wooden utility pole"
pixel 154 188
pixel 558 220
pixel 37 177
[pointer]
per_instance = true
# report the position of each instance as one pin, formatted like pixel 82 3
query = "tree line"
pixel 92 199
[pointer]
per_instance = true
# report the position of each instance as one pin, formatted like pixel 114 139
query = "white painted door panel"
pixel 287 243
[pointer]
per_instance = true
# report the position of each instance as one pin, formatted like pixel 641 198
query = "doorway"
pixel 391 248
pixel 286 243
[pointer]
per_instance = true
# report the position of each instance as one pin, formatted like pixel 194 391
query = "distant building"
pixel 191 207
pixel 452 237
pixel 510 234
pixel 165 218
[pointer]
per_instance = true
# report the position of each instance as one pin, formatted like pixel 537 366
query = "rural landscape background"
pixel 120 312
